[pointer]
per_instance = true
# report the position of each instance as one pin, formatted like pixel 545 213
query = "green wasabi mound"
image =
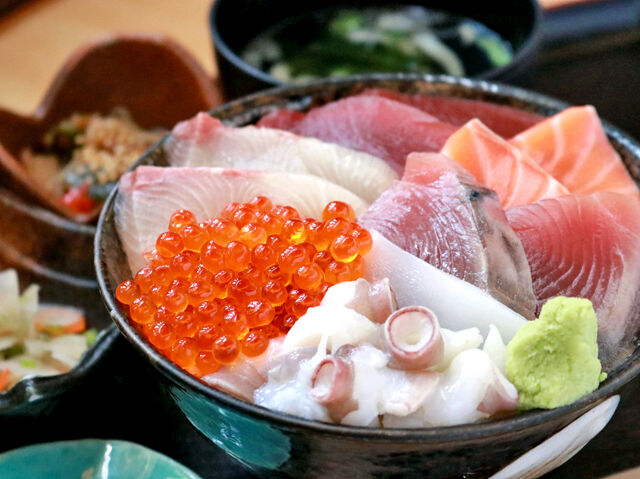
pixel 553 360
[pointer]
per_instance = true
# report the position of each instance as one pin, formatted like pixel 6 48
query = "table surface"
pixel 111 404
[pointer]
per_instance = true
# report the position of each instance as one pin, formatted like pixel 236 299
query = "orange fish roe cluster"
pixel 228 285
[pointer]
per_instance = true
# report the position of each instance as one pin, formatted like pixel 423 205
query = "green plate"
pixel 90 459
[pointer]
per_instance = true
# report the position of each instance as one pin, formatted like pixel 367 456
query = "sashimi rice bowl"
pixel 385 274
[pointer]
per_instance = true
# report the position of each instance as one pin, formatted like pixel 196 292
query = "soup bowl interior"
pixel 517 21
pixel 270 442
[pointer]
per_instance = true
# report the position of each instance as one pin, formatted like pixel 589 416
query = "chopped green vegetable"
pixel 91 335
pixel 337 42
pixel 15 350
pixel 28 363
pixel 346 22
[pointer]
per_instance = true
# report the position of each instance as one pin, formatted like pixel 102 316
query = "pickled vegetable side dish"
pixel 37 339
pixel 80 159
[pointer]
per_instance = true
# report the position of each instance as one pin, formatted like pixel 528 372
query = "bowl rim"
pixel 526 50
pixel 622 374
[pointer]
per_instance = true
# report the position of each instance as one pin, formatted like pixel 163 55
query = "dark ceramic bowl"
pixel 517 21
pixel 271 443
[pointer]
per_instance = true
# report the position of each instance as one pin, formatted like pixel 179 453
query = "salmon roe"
pixel 215 290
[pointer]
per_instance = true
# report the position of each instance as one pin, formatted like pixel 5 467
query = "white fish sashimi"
pixel 458 304
pixel 149 195
pixel 206 141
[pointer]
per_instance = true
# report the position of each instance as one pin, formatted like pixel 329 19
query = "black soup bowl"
pixel 517 21
pixel 272 443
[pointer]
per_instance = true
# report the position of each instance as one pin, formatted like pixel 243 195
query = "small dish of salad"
pixel 37 339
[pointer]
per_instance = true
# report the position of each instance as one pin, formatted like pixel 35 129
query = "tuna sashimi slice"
pixel 381 127
pixel 457 304
pixel 440 214
pixel 573 147
pixel 504 120
pixel 206 141
pixel 496 163
pixel 148 196
pixel 588 246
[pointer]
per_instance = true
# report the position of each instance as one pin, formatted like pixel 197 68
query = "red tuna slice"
pixel 504 120
pixel 587 246
pixel 494 162
pixel 381 127
pixel 149 195
pixel 573 147
pixel 440 214
pixel 206 141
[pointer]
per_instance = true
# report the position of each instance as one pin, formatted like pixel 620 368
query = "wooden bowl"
pixel 154 78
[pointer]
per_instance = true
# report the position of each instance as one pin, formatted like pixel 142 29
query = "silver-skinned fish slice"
pixel 439 213
pixel 149 195
pixel 206 141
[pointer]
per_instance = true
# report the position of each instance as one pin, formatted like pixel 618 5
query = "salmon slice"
pixel 573 147
pixel 504 120
pixel 587 246
pixel 148 196
pixel 206 141
pixel 440 214
pixel 496 163
pixel 379 126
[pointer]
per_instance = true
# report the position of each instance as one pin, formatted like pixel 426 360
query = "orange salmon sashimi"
pixel 516 178
pixel 573 147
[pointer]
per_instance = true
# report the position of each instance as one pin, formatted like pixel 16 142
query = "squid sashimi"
pixel 381 127
pixel 573 147
pixel 504 120
pixel 587 246
pixel 206 141
pixel 441 214
pixel 494 162
pixel 149 195
pixel 458 304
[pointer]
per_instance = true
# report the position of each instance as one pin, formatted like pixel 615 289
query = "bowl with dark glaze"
pixel 272 443
pixel 517 21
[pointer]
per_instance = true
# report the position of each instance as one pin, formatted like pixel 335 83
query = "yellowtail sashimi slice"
pixel 457 304
pixel 206 141
pixel 573 147
pixel 586 246
pixel 496 163
pixel 148 196
pixel 441 214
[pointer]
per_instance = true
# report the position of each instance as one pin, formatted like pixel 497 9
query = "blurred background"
pixel 590 53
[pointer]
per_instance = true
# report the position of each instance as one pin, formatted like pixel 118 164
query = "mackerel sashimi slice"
pixel 457 304
pixel 504 120
pixel 439 213
pixel 588 246
pixel 494 162
pixel 206 141
pixel 573 147
pixel 381 127
pixel 149 195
